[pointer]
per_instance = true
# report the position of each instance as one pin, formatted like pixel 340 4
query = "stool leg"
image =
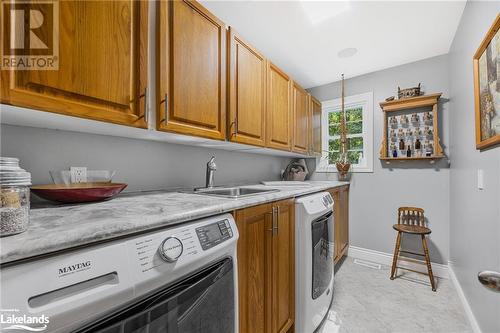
pixel 428 261
pixel 396 254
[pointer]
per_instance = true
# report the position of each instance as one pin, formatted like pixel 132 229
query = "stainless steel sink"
pixel 233 192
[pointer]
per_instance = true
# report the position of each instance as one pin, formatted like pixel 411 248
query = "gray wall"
pixel 475 214
pixel 376 196
pixel 144 165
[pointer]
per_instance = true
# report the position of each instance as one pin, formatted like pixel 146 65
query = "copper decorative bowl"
pixel 76 193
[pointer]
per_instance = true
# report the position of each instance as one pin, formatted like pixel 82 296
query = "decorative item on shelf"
pixel 393 133
pixel 394 122
pixel 418 144
pixel 388 99
pixel 429 149
pixel 402 145
pixel 409 92
pixel 394 150
pixel 404 121
pixel 427 118
pixel 487 88
pixel 342 163
pixel 415 119
pixel 417 134
pixel 428 132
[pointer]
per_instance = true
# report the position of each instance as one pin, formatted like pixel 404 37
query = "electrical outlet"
pixel 78 174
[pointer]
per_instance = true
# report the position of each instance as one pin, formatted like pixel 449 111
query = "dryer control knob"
pixel 171 249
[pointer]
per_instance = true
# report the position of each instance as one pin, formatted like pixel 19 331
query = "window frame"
pixel 366 101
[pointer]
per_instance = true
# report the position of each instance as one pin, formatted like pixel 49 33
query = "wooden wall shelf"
pixel 410 131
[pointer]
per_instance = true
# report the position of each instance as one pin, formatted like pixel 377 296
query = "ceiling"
pixel 304 37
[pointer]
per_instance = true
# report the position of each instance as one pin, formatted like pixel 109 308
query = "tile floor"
pixel 366 300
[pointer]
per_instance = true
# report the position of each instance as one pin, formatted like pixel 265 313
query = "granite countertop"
pixel 56 228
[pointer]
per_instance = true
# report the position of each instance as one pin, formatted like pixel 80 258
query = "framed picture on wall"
pixel 487 88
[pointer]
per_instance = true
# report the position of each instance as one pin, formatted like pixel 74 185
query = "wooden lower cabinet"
pixel 266 267
pixel 341 223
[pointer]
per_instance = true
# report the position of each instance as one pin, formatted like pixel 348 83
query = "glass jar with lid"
pixel 14 197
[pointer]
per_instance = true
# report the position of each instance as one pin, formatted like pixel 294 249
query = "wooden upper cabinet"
pixel 247 92
pixel 102 65
pixel 191 76
pixel 278 129
pixel 300 116
pixel 315 127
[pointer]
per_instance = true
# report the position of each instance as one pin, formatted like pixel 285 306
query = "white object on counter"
pixel 285 183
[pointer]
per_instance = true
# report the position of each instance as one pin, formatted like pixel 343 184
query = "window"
pixel 359 123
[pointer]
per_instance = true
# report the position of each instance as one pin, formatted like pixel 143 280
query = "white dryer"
pixel 314 226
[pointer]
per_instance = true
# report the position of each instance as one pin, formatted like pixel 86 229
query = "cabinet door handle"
pixel 272 221
pixel 277 219
pixel 490 280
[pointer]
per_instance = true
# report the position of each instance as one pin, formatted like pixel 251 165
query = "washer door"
pixel 322 261
pixel 200 303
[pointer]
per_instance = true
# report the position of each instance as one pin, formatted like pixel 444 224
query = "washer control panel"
pixel 213 234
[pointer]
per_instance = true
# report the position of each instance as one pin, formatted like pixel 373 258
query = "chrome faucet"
pixel 211 167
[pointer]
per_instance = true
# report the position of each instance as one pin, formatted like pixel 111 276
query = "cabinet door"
pixel 102 65
pixel 254 268
pixel 278 109
pixel 300 117
pixel 315 127
pixel 191 55
pixel 283 262
pixel 247 92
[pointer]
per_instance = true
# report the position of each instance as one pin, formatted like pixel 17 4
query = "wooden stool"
pixel 411 221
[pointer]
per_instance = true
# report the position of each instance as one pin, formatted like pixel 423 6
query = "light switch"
pixel 480 179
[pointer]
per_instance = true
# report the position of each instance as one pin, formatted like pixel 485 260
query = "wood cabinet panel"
pixel 254 268
pixel 192 70
pixel 315 126
pixel 266 267
pixel 283 279
pixel 341 223
pixel 247 92
pixel 300 122
pixel 278 109
pixel 102 65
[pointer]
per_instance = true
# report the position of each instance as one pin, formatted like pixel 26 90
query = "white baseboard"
pixel 383 258
pixel 468 310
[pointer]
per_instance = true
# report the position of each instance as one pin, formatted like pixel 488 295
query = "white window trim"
pixel 367 100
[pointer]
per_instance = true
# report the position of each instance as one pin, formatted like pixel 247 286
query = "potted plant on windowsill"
pixel 342 162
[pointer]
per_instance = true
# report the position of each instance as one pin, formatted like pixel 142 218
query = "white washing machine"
pixel 179 279
pixel 314 271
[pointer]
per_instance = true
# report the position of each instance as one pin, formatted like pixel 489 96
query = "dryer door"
pixel 322 260
pixel 200 303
